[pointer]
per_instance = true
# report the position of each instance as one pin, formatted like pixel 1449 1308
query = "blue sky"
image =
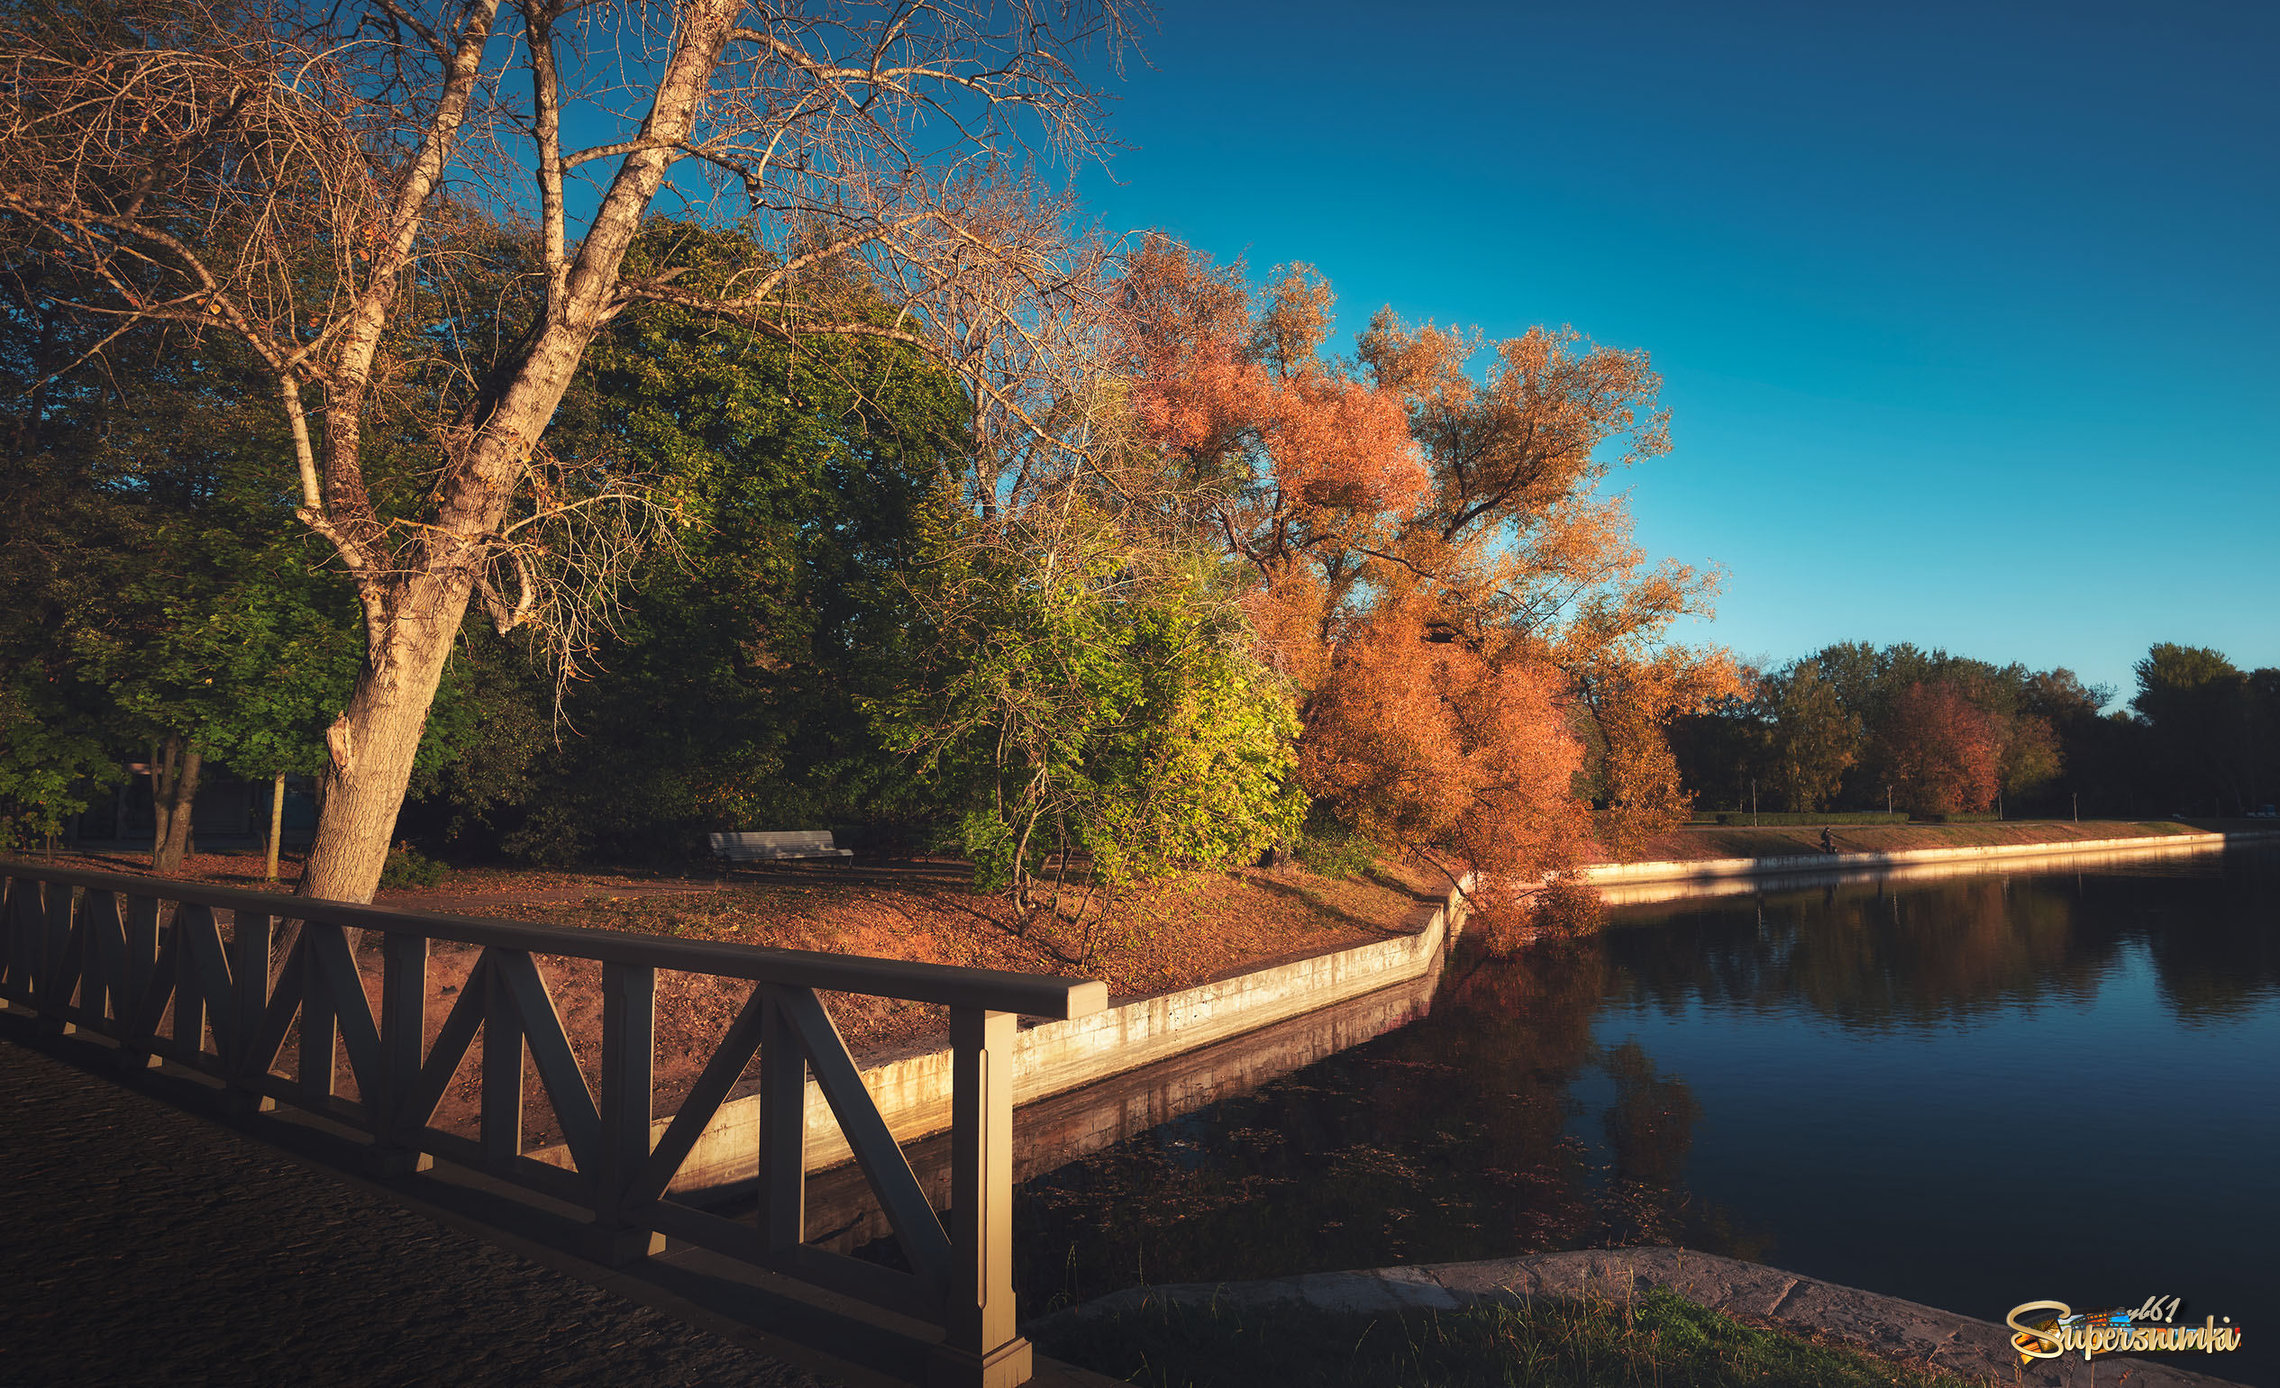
pixel 1965 314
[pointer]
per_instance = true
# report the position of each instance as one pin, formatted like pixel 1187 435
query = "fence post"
pixel 139 920
pixel 783 1129
pixel 317 1071
pixel 189 998
pixel 16 939
pixel 55 944
pixel 403 1022
pixel 980 1348
pixel 251 934
pixel 502 1102
pixel 629 1060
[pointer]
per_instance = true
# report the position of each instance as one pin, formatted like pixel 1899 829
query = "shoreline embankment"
pixel 1626 884
pixel 913 1091
pixel 1889 1327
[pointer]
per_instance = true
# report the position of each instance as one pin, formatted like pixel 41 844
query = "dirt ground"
pixel 1164 936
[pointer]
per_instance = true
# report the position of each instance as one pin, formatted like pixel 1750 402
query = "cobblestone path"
pixel 140 1245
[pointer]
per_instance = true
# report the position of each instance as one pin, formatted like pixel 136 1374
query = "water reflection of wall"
pixel 1449 1138
pixel 1058 1130
pixel 1881 953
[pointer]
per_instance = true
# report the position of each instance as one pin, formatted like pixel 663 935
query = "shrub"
pixel 1336 853
pixel 1094 701
pixel 408 867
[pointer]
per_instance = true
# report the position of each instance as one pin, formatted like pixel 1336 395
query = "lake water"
pixel 1971 1092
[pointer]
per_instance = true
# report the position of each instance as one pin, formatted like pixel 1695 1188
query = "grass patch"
pixel 1774 841
pixel 1786 817
pixel 1660 1339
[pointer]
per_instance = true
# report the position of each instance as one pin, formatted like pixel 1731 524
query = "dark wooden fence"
pixel 148 964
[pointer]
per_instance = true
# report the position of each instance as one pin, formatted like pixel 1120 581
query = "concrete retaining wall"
pixel 913 1093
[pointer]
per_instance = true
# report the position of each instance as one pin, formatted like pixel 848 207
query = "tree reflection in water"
pixel 1472 1133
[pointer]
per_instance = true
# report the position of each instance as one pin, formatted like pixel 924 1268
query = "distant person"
pixel 1828 844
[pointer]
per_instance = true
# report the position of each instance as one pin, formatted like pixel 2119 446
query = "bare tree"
pixel 311 182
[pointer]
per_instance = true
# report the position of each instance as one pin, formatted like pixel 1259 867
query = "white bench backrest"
pixel 777 843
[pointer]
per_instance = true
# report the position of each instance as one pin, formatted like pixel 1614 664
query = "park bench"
pixel 780 843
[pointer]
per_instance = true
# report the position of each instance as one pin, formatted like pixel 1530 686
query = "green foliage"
pixel 1204 774
pixel 2202 735
pixel 1083 698
pixel 408 867
pixel 2208 734
pixel 160 586
pixel 1815 738
pixel 1655 1338
pixel 1330 849
pixel 50 765
pixel 2172 671
pixel 147 511
pixel 248 658
pixel 728 692
pixel 166 589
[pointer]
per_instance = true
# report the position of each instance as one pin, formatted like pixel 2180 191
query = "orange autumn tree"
pixel 1945 753
pixel 1479 648
pixel 1430 744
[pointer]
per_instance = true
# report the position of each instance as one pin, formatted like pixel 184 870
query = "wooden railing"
pixel 147 963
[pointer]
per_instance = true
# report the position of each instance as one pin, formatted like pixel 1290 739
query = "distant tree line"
pixel 1859 727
